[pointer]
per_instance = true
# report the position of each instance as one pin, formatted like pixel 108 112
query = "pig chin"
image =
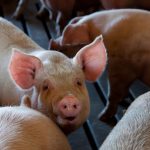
pixel 68 124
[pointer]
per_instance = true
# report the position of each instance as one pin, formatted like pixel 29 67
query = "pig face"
pixel 58 83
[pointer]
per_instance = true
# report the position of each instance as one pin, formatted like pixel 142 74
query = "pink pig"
pixel 22 128
pixel 55 83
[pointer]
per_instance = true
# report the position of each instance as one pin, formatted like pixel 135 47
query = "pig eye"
pixel 78 82
pixel 46 85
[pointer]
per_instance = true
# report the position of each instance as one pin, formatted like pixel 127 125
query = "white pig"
pixel 133 130
pixel 22 128
pixel 55 82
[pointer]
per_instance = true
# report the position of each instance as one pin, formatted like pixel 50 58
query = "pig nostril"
pixel 75 106
pixel 65 106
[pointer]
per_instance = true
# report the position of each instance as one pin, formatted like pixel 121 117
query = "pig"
pixel 60 11
pixel 132 131
pixel 23 128
pixel 113 4
pixel 126 37
pixel 55 83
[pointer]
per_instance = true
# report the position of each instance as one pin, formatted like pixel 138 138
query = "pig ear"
pixel 26 101
pixel 75 34
pixel 23 68
pixel 52 44
pixel 92 58
pixel 75 20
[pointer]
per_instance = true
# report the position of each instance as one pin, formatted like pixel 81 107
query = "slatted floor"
pixel 91 135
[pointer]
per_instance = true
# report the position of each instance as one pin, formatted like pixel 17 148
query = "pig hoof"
pixel 43 15
pixel 108 120
pixel 16 16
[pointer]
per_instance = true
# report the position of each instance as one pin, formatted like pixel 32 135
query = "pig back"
pixel 23 128
pixel 132 131
pixel 121 29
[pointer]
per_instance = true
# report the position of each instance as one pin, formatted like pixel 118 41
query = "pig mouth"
pixel 70 120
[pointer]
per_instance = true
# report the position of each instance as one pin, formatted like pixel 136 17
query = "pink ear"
pixel 23 68
pixel 92 59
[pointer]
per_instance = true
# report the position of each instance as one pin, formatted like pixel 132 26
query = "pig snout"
pixel 68 111
pixel 69 107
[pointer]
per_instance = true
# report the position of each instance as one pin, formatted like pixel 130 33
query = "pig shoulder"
pixel 10 34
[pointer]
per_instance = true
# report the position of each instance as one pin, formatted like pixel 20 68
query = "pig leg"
pixel 120 81
pixel 20 9
pixel 62 20
pixel 43 13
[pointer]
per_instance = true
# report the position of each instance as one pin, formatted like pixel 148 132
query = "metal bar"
pixel 90 135
pixel 131 95
pixel 103 97
pixel 43 22
pixel 1 12
pixel 24 25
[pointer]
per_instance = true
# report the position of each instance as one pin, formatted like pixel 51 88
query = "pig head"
pixel 74 36
pixel 58 83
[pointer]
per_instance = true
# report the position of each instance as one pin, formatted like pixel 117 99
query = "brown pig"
pixel 126 37
pixel 22 128
pixel 132 131
pixel 55 83
pixel 111 4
